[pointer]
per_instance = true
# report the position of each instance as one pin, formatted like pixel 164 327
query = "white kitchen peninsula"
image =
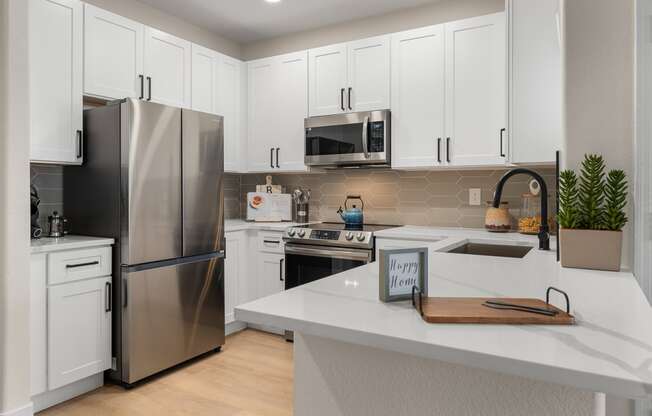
pixel 357 355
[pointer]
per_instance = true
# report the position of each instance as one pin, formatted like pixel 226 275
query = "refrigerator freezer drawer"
pixel 171 314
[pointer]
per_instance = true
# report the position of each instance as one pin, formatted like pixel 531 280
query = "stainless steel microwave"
pixel 353 139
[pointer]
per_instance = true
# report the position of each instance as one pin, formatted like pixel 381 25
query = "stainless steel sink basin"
pixel 496 250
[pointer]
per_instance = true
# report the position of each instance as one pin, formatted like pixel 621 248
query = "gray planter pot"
pixel 591 249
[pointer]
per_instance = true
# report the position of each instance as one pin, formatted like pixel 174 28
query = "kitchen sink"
pixel 496 250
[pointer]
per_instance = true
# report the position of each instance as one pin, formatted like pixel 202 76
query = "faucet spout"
pixel 544 229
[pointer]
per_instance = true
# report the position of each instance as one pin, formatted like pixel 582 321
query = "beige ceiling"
pixel 251 20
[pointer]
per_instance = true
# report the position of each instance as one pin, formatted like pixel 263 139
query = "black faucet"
pixel 544 229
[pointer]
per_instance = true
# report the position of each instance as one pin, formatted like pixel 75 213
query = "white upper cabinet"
pixel 476 91
pixel 228 95
pixel 113 55
pixel 328 79
pixel 292 109
pixel 263 108
pixel 368 74
pixel 349 77
pixel 167 65
pixel 418 98
pixel 204 79
pixel 278 105
pixel 56 67
pixel 535 92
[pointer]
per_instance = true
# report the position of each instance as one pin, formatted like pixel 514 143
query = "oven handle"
pixel 365 137
pixel 362 255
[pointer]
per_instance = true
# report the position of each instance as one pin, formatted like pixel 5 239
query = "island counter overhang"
pixel 609 350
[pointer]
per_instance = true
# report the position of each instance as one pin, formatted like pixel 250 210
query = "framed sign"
pixel 400 270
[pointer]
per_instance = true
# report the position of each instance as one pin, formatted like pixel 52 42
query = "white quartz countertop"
pixel 240 225
pixel 69 242
pixel 608 350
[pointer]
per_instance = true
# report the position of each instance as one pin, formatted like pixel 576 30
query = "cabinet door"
pixel 79 330
pixel 113 55
pixel 271 273
pixel 418 97
pixel 535 98
pixel 264 105
pixel 476 89
pixel 289 132
pixel 328 79
pixel 368 74
pixel 204 79
pixel 227 96
pixel 233 274
pixel 56 66
pixel 38 323
pixel 167 66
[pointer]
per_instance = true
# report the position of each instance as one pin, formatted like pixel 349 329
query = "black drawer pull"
pixel 280 272
pixel 271 242
pixel 90 263
pixel 108 297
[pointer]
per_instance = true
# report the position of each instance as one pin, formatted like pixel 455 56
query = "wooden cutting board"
pixel 471 311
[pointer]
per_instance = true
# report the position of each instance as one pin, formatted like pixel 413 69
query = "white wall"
pixel 14 210
pixel 599 87
pixel 443 11
pixel 158 19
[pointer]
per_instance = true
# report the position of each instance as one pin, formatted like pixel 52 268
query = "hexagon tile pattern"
pixel 435 198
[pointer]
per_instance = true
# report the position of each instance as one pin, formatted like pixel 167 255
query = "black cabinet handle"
pixel 142 86
pixel 80 144
pixel 74 266
pixel 439 149
pixel 502 154
pixel 280 271
pixel 149 88
pixel 271 242
pixel 277 150
pixel 448 149
pixel 271 157
pixel 350 108
pixel 108 297
pixel 342 99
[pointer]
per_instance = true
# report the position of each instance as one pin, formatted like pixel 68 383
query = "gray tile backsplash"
pixel 436 198
pixel 48 180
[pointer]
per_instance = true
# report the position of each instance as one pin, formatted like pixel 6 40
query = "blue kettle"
pixel 353 217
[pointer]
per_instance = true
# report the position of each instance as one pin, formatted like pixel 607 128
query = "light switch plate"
pixel 475 196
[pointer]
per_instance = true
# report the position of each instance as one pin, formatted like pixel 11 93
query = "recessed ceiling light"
pixel 273 1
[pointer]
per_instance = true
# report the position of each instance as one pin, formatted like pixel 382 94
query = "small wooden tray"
pixel 472 311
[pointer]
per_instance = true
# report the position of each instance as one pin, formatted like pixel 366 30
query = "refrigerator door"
pixel 171 313
pixel 151 182
pixel 203 175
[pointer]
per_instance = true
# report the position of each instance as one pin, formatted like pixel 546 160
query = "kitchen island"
pixel 355 355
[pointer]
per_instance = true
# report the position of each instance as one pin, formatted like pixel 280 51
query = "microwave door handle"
pixel 365 136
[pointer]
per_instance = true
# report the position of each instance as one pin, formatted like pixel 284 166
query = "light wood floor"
pixel 253 375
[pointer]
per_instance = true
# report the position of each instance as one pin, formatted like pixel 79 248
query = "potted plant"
pixel 592 216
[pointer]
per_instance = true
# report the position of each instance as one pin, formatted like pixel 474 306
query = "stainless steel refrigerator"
pixel 153 180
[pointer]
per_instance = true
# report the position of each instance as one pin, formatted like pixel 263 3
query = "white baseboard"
pixel 26 410
pixel 235 326
pixel 62 394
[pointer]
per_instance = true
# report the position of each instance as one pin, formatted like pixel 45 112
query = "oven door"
pixel 307 263
pixel 348 139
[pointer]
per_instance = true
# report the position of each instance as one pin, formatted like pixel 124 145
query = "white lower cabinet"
pixel 70 333
pixel 271 273
pixel 79 330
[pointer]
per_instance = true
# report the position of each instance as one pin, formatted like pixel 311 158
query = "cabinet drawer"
pixel 271 242
pixel 69 266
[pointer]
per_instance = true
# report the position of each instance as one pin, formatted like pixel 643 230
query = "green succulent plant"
pixel 594 201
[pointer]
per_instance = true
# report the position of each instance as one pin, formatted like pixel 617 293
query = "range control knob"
pixel 360 237
pixel 302 233
pixel 349 236
pixel 292 232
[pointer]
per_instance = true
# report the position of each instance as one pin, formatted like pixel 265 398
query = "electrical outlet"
pixel 475 196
